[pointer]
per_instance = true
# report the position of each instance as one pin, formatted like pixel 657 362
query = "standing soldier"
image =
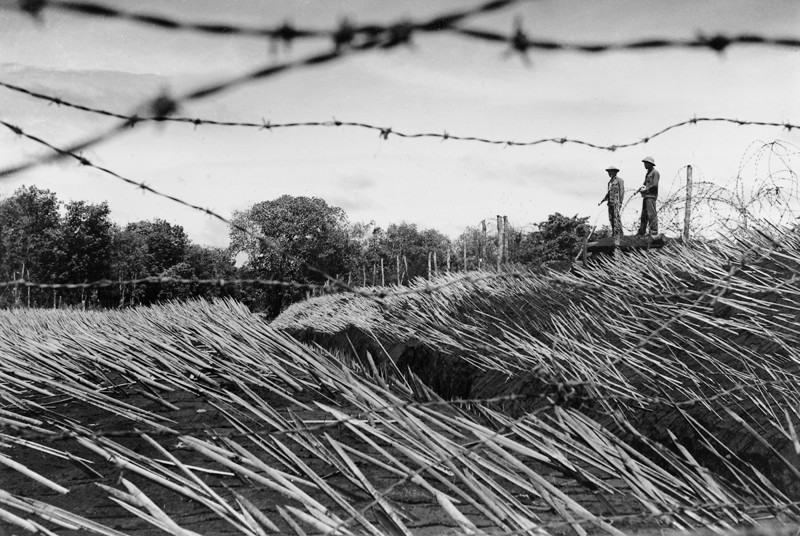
pixel 614 196
pixel 649 192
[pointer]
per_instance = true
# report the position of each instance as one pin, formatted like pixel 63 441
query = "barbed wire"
pixel 266 242
pixel 164 105
pixel 169 105
pixel 161 280
pixel 12 430
pixel 346 33
pixel 15 430
pixel 385 131
pixel 371 292
pixel 375 292
pixel 772 194
pixel 508 428
pixel 333 284
pixel 522 43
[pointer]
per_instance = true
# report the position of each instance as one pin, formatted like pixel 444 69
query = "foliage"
pixel 77 242
pixel 47 241
pixel 85 242
pixel 558 239
pixel 405 251
pixel 200 263
pixel 311 239
pixel 164 244
pixel 29 223
pixel 144 249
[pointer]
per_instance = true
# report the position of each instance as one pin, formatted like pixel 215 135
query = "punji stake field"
pixel 643 393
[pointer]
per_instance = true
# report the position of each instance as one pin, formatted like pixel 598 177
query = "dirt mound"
pixel 696 346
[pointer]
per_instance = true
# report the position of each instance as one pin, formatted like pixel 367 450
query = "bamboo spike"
pixel 8 462
pixel 224 509
pixel 292 523
pixel 280 484
pixel 327 489
pixel 149 518
pixel 396 522
pixel 15 520
pixel 253 511
pixel 55 515
pixel 323 526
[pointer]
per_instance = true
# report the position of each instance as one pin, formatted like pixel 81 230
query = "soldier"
pixel 649 192
pixel 614 196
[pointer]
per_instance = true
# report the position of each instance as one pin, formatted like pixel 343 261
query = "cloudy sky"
pixel 443 83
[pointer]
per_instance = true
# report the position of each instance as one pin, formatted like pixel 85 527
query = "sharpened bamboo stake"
pixel 8 462
pixel 397 523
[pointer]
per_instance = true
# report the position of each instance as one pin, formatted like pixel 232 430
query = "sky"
pixel 441 83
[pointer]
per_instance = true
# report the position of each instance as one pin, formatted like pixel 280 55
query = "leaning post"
pixel 500 241
pixel 688 213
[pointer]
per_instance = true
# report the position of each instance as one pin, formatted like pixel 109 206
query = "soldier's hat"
pixel 649 159
pixel 612 167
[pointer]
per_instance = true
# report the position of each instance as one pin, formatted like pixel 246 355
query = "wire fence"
pixel 349 34
pixel 729 207
pixel 164 105
pixel 765 188
pixel 772 191
pixel 347 39
pixel 385 131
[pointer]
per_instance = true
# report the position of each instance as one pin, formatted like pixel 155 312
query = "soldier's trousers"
pixel 614 220
pixel 649 216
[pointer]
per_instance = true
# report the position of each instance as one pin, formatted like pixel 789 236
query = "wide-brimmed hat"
pixel 612 168
pixel 649 159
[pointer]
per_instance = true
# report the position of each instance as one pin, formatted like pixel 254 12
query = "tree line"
pixel 45 240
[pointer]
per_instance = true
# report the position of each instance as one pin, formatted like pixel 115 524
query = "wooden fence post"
pixel 482 241
pixel 688 213
pixel 429 265
pixel 505 238
pixel 500 241
pixel 383 276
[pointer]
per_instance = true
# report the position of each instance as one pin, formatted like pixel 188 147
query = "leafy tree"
pixel 407 241
pixel 402 242
pixel 129 254
pixel 85 242
pixel 144 249
pixel 83 250
pixel 165 244
pixel 309 239
pixel 558 239
pixel 29 229
pixel 200 263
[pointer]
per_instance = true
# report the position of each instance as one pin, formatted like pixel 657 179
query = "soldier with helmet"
pixel 649 192
pixel 614 196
